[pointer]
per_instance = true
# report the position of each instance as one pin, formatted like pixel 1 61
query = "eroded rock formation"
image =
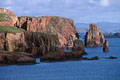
pixel 94 38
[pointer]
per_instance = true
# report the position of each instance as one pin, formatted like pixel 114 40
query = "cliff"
pixel 94 38
pixel 63 27
pixel 35 43
pixel 37 36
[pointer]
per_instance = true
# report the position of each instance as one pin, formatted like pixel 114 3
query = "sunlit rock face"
pixel 94 38
pixel 62 27
pixel 7 18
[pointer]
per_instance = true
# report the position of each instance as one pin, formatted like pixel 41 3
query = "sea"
pixel 102 69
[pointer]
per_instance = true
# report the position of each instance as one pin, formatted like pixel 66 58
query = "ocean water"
pixel 103 69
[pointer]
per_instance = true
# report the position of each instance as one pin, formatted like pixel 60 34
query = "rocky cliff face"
pixel 35 43
pixel 7 18
pixel 94 38
pixel 63 27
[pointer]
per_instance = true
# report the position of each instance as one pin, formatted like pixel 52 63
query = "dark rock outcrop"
pixel 93 58
pixel 106 47
pixel 111 57
pixel 76 53
pixel 94 38
pixel 78 45
pixel 19 58
pixel 40 43
pixel 62 56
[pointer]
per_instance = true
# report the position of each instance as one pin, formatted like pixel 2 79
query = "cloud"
pixel 79 10
pixel 104 3
pixel 92 1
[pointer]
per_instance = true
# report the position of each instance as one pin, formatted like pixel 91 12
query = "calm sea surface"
pixel 103 69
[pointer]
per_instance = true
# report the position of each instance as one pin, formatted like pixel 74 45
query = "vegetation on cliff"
pixel 3 17
pixel 9 29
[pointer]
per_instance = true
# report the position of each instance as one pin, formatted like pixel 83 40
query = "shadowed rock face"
pixel 106 47
pixel 94 38
pixel 63 27
pixel 31 42
pixel 13 58
pixel 7 18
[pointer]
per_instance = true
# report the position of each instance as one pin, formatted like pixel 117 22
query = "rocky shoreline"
pixel 16 58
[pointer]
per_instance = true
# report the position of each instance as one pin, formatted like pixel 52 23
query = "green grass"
pixel 68 52
pixel 8 52
pixel 3 17
pixel 10 29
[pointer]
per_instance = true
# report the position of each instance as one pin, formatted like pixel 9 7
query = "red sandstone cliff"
pixel 63 27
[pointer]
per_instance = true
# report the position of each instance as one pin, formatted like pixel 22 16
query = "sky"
pixel 81 11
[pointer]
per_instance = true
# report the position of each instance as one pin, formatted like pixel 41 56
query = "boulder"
pixel 94 38
pixel 106 47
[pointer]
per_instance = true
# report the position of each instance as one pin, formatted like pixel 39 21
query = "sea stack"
pixel 105 46
pixel 94 38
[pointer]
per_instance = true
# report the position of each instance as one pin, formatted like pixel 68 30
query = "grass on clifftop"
pixel 3 17
pixel 10 29
pixel 8 52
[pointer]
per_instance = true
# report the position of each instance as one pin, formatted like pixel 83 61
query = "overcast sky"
pixel 82 11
